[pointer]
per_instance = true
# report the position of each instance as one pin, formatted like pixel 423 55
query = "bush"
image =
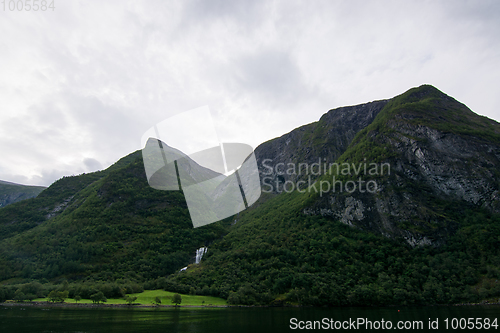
pixel 130 299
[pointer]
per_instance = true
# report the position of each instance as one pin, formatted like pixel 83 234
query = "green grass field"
pixel 147 298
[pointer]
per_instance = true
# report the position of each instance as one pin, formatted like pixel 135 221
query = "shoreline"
pixel 138 305
pixel 103 305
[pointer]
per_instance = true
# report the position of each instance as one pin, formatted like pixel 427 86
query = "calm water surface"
pixel 239 320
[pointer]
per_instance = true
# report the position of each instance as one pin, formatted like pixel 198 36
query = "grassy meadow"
pixel 147 297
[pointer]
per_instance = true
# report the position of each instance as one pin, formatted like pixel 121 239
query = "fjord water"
pixel 240 320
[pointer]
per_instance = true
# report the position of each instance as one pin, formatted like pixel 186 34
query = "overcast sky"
pixel 79 85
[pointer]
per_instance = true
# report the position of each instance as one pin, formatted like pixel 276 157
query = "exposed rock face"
pixel 442 165
pixel 454 167
pixel 59 208
pixel 434 159
pixel 324 140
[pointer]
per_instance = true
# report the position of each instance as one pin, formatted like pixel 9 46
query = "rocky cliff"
pixel 325 140
pixel 438 155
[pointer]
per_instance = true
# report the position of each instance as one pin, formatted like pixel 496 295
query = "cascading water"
pixel 199 254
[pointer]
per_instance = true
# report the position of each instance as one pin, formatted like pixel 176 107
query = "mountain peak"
pixel 428 106
pixel 421 93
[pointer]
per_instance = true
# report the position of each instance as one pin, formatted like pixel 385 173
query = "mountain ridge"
pixel 13 192
pixel 428 235
pixel 411 242
pixel 394 131
pixel 312 142
pixel 431 156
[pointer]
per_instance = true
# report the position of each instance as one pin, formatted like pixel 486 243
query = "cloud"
pixel 270 74
pixel 92 164
pixel 81 84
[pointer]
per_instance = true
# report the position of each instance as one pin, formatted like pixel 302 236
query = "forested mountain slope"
pixel 420 226
pixel 428 232
pixel 103 225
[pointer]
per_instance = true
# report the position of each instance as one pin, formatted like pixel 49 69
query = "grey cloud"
pixel 241 10
pixel 92 164
pixel 486 10
pixel 270 73
pixel 90 80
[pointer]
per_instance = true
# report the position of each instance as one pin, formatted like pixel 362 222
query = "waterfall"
pixel 199 254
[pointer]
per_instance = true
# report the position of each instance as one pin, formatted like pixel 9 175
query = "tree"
pixel 98 297
pixel 63 295
pixel 52 297
pixel 34 288
pixel 78 298
pixel 19 296
pixel 233 298
pixel 57 296
pixel 176 299
pixel 130 299
pixel 157 300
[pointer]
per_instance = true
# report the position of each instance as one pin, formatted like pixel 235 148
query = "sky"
pixel 82 82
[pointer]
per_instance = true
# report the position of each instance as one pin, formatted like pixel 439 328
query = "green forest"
pixel 119 236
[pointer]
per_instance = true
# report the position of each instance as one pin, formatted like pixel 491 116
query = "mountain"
pixel 104 225
pixel 433 148
pixel 389 202
pixel 426 232
pixel 12 192
pixel 325 140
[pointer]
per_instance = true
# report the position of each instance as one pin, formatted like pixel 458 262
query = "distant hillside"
pixel 11 192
